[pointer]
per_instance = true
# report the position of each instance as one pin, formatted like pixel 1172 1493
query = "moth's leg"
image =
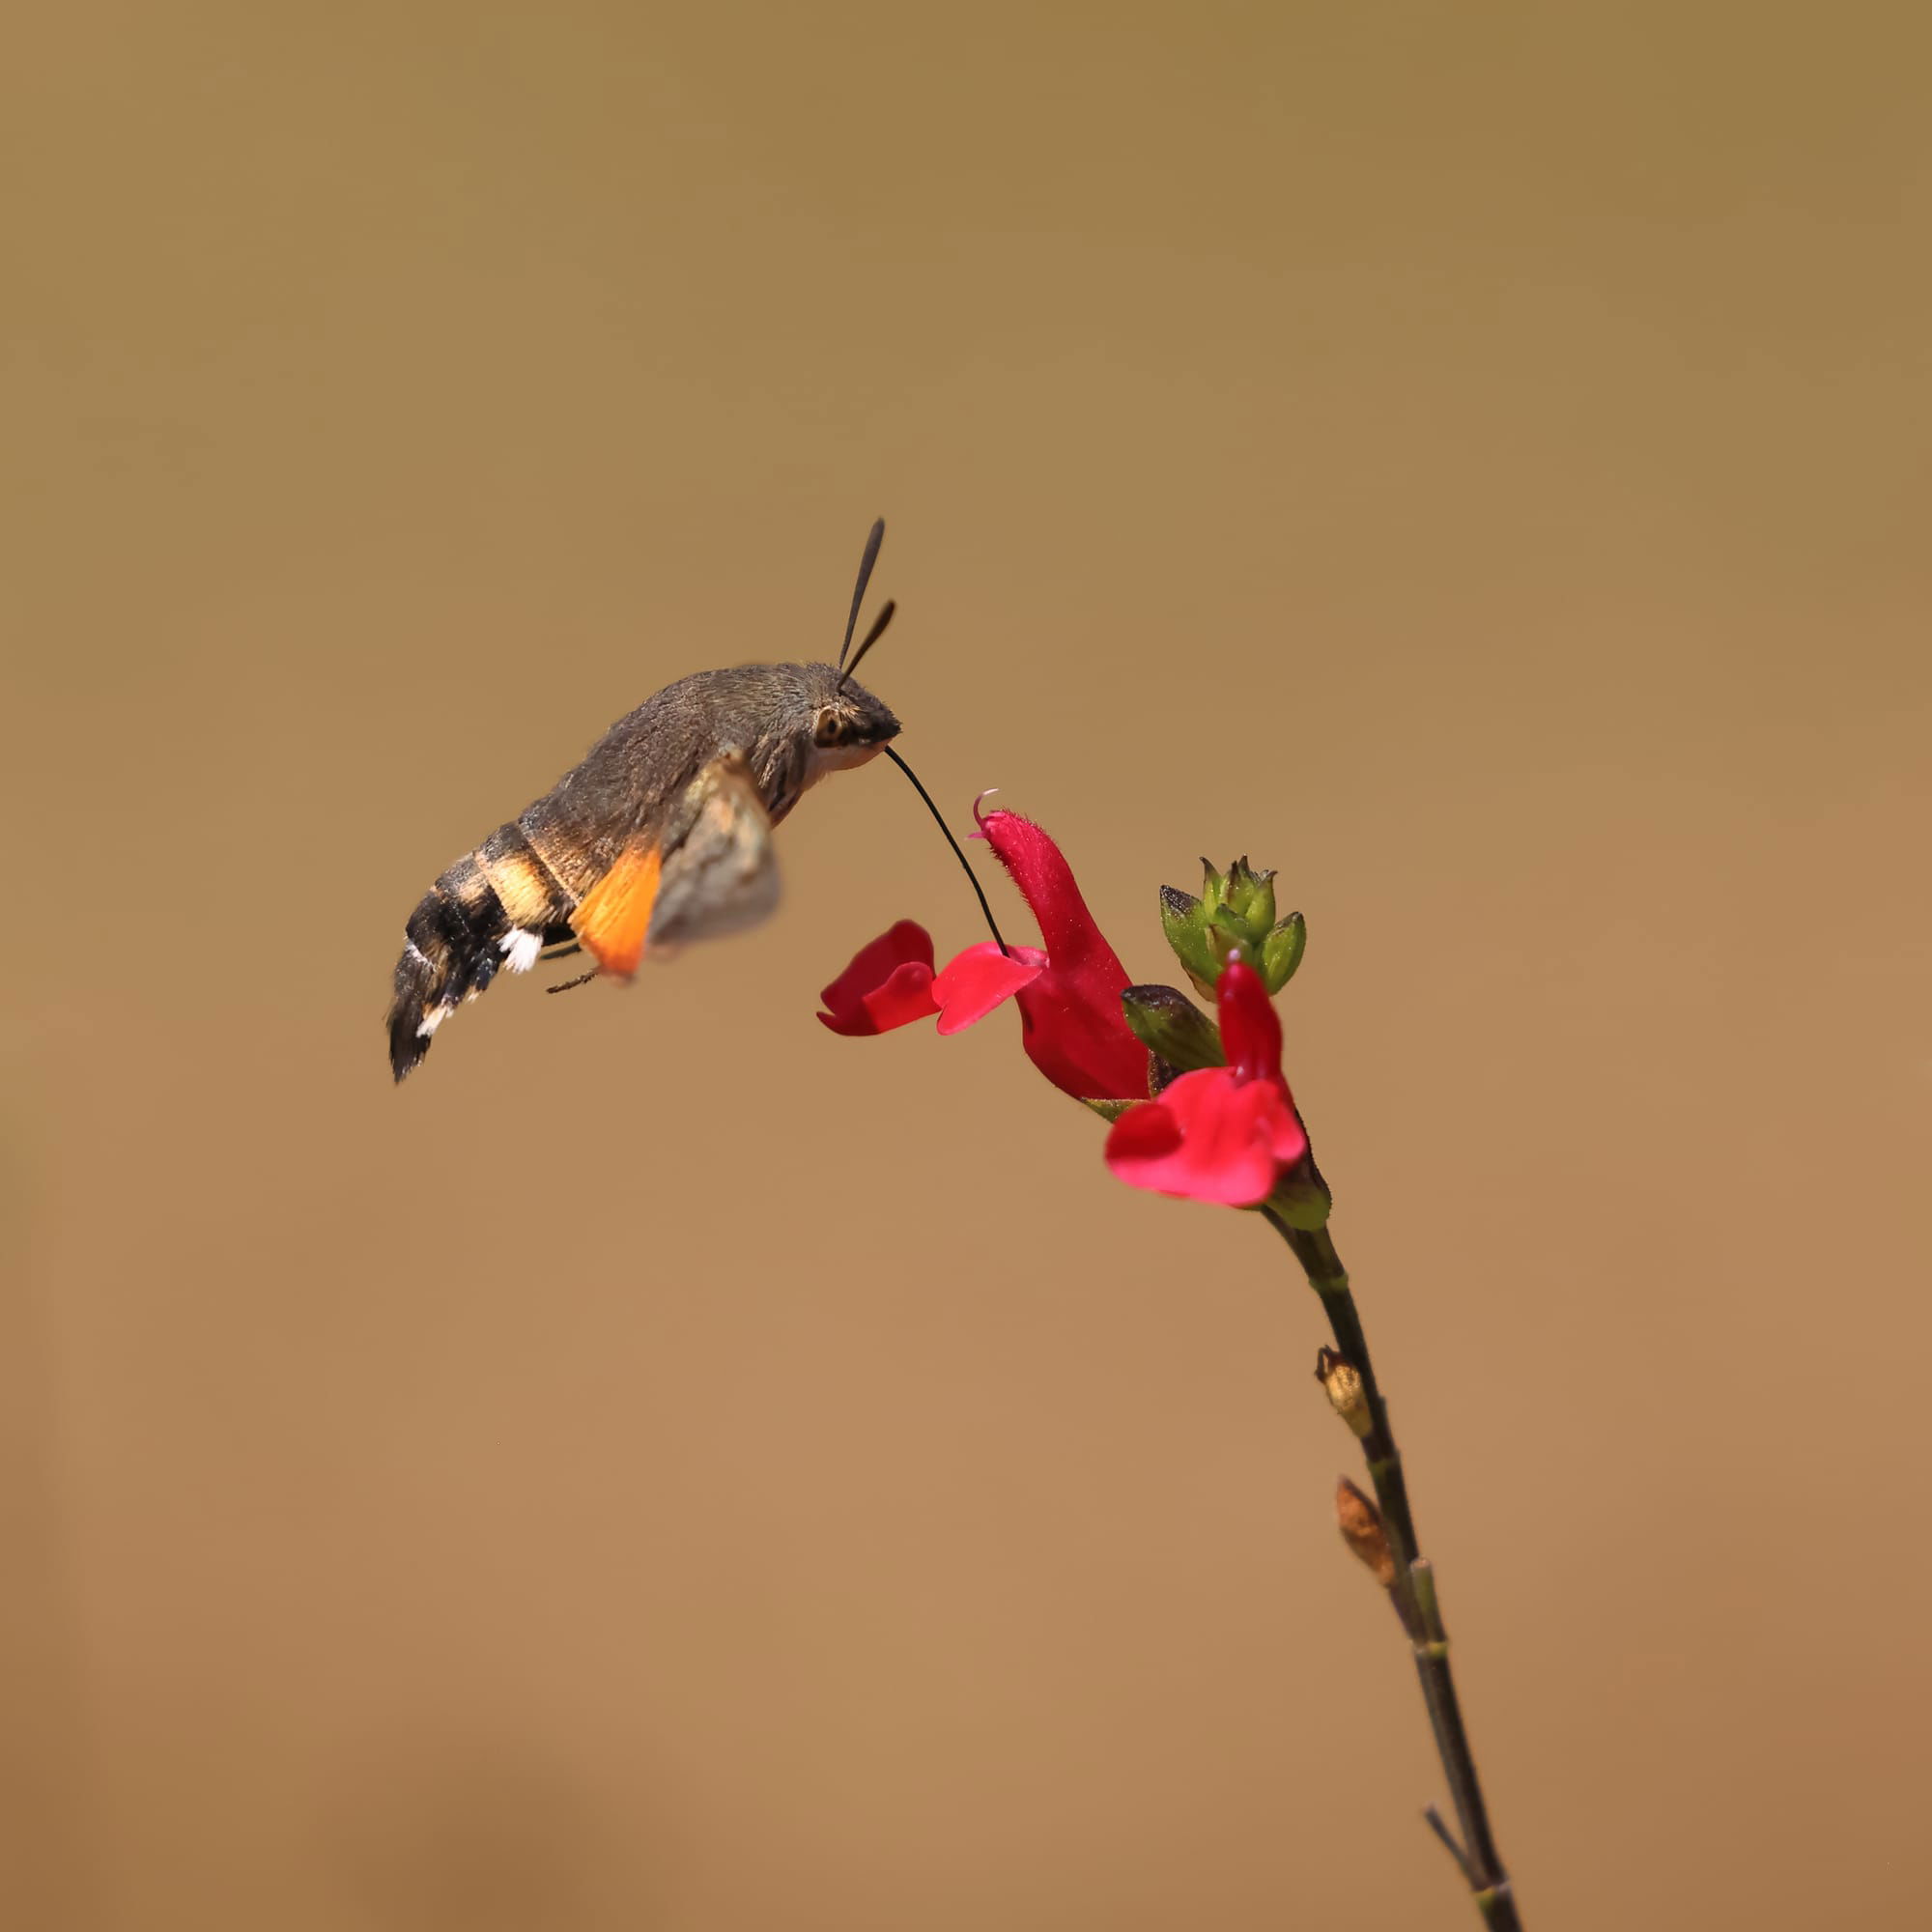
pixel 560 943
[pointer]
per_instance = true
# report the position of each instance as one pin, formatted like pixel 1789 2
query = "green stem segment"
pixel 1415 1588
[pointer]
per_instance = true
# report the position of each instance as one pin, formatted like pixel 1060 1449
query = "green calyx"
pixel 1302 1199
pixel 1173 1028
pixel 1185 920
pixel 1282 950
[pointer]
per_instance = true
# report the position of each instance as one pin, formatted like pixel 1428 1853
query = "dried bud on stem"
pixel 1343 1382
pixel 1362 1530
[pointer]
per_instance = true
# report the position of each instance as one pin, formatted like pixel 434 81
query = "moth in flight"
pixel 661 836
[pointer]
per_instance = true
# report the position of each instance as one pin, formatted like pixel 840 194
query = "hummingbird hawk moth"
pixel 661 835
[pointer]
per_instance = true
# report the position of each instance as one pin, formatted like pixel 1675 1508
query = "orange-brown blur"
pixel 666 1466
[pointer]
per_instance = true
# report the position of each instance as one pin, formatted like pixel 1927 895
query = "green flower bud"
pixel 1233 916
pixel 1250 896
pixel 1282 950
pixel 1227 939
pixel 1173 1028
pixel 1186 920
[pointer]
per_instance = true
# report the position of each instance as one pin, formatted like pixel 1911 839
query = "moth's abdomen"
pixel 498 906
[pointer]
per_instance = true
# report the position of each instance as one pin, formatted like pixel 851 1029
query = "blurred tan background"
pixel 666 1466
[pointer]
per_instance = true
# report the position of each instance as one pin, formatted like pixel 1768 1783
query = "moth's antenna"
pixel 866 563
pixel 978 892
pixel 872 637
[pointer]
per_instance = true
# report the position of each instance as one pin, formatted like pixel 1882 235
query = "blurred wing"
pixel 719 874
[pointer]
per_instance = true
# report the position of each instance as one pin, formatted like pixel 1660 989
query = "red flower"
pixel 1075 1031
pixel 1227 1133
pixel 1068 995
pixel 888 984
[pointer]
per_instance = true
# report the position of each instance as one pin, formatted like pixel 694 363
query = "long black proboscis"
pixel 866 563
pixel 939 818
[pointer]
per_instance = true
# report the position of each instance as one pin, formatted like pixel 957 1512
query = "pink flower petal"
pixel 976 981
pixel 1210 1137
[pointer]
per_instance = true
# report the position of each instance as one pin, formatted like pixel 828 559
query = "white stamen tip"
pixel 520 949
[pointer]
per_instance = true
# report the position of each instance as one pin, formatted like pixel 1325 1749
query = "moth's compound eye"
pixel 830 729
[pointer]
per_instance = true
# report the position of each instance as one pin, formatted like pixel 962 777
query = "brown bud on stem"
pixel 1362 1531
pixel 1343 1381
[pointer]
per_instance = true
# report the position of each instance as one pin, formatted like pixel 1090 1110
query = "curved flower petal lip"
pixel 1210 1137
pixel 976 981
pixel 888 984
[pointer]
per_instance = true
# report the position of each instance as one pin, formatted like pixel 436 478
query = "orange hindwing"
pixel 615 914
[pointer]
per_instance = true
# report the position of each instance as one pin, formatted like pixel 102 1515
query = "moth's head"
pixel 842 722
pixel 848 724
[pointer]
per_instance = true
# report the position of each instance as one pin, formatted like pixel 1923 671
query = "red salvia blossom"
pixel 1075 1031
pixel 888 984
pixel 1069 994
pixel 1224 1134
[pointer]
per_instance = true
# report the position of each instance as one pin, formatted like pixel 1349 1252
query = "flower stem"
pixel 1415 1588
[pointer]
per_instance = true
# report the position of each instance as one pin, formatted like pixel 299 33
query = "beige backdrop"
pixel 669 1467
